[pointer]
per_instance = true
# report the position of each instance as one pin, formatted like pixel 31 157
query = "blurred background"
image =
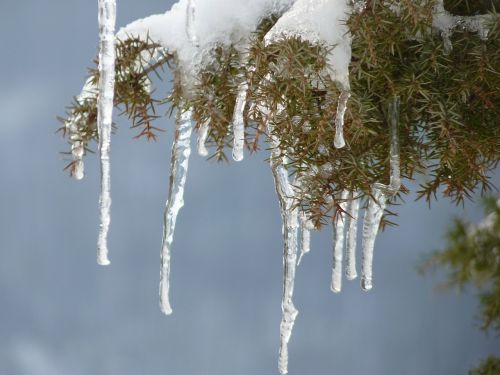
pixel 60 313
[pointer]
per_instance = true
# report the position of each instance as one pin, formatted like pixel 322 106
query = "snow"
pixel 319 21
pixel 215 23
pixel 107 19
pixel 446 22
pixel 181 150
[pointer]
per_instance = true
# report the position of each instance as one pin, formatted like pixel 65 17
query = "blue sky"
pixel 62 314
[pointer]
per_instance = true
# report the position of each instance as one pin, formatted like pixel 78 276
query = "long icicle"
pixel 181 150
pixel 351 236
pixel 381 193
pixel 107 54
pixel 289 215
pixel 338 245
pixel 202 139
pixel 239 109
pixel 339 140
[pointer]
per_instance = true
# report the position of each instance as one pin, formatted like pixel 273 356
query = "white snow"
pixel 107 18
pixel 446 22
pixel 319 21
pixel 181 150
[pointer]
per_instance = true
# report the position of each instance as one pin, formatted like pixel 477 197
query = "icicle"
pixel 77 150
pixel 373 215
pixel 202 139
pixel 239 122
pixel 181 149
pixel 306 226
pixel 351 236
pixel 445 22
pixel 338 246
pixel 339 141
pixel 380 192
pixel 289 214
pixel 107 18
pixel 190 20
pixel 239 109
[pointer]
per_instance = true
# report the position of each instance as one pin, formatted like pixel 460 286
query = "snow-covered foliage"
pixel 274 67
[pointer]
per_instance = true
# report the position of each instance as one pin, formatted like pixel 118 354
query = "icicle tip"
pixel 366 284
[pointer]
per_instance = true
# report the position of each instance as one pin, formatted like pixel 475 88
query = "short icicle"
pixel 181 150
pixel 289 214
pixel 239 122
pixel 202 139
pixel 338 245
pixel 190 21
pixel 107 54
pixel 339 140
pixel 381 193
pixel 351 236
pixel 306 226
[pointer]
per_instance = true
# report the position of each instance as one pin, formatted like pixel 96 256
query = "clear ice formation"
pixel 306 226
pixel 239 122
pixel 107 54
pixel 351 235
pixel 339 140
pixel 445 22
pixel 202 139
pixel 181 150
pixel 381 193
pixel 239 110
pixel 190 21
pixel 338 245
pixel 289 215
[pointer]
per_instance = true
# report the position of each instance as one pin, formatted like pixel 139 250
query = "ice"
pixel 339 141
pixel 351 235
pixel 239 121
pixel 306 226
pixel 107 18
pixel 371 223
pixel 202 139
pixel 446 22
pixel 181 150
pixel 381 193
pixel 289 215
pixel 190 20
pixel 338 244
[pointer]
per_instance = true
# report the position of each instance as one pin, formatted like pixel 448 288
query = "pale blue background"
pixel 62 314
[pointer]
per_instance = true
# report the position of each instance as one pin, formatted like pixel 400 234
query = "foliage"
pixel 449 115
pixel 472 257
